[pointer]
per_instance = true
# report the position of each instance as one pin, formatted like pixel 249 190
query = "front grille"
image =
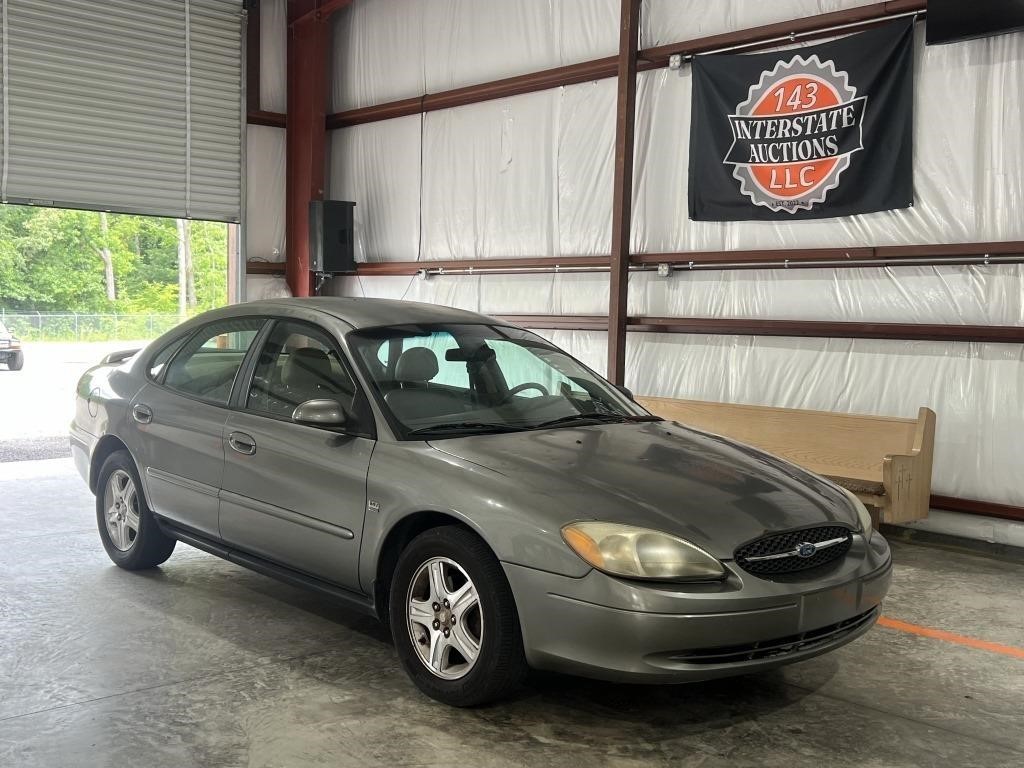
pixel 777 554
pixel 767 649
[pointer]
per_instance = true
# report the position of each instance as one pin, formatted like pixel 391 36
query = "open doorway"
pixel 76 285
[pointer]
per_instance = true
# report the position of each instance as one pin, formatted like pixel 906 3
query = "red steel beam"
pixel 622 192
pixel 1007 334
pixel 272 119
pixel 253 267
pixel 926 255
pixel 717 326
pixel 1006 248
pixel 307 135
pixel 974 507
pixel 252 56
pixel 559 322
pixel 753 257
pixel 650 58
pixel 598 69
pixel 308 46
pixel 322 10
pixel 382 268
pixel 939 253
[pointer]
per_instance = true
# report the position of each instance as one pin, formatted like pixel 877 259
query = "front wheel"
pixel 454 619
pixel 129 531
pixel 16 362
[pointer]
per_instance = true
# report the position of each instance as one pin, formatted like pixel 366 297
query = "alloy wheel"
pixel 445 619
pixel 121 505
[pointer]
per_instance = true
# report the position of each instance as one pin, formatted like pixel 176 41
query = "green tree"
pixel 54 260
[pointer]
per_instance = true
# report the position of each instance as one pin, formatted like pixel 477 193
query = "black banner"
pixel 811 133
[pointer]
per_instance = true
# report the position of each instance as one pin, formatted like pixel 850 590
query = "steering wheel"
pixel 523 387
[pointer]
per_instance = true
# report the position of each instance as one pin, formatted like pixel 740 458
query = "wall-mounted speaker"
pixel 331 237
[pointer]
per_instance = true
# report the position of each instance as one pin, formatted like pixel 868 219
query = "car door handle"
pixel 242 443
pixel 142 413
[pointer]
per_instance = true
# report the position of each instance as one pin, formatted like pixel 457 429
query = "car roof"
pixel 369 313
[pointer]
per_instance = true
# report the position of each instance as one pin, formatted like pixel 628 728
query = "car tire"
pixel 491 623
pixel 16 362
pixel 128 529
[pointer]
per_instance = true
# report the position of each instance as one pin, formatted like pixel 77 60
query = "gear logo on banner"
pixel 794 135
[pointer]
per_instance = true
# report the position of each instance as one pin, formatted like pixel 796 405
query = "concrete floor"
pixel 202 663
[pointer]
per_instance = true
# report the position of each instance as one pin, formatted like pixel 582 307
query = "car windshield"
pixel 449 380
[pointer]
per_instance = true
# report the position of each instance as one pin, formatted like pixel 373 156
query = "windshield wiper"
pixel 465 426
pixel 608 418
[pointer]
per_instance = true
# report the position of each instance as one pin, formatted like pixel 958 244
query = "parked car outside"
pixel 495 501
pixel 11 353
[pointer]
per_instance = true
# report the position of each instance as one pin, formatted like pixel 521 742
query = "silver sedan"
pixel 496 502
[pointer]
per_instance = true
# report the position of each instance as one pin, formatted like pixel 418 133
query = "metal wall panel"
pixel 123 106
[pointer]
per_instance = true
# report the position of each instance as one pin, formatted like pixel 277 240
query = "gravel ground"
pixel 31 448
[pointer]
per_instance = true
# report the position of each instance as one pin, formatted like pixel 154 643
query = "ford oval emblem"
pixel 806 549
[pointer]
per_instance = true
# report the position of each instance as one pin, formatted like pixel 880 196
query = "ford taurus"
pixel 495 501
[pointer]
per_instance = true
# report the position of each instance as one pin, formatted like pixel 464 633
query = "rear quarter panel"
pixel 102 403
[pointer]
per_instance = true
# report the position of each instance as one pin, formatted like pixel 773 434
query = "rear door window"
pixel 208 363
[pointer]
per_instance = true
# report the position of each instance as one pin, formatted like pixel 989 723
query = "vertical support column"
pixel 307 134
pixel 622 199
pixel 252 55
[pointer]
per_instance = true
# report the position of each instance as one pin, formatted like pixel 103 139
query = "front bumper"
pixel 612 629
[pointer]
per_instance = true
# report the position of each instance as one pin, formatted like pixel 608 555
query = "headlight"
pixel 638 553
pixel 862 514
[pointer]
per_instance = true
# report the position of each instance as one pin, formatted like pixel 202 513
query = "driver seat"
pixel 307 375
pixel 414 399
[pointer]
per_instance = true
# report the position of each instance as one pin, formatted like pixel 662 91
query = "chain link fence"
pixel 73 326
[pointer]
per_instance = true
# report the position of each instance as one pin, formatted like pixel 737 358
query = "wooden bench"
pixel 886 461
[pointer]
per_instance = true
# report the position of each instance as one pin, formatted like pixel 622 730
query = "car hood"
pixel 710 490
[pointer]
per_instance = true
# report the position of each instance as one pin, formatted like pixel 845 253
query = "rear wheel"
pixel 16 361
pixel 454 619
pixel 129 531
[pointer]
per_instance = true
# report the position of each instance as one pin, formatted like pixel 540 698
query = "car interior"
pixel 208 373
pixel 287 376
pixel 423 388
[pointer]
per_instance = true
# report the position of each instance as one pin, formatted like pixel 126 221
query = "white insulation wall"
pixel 265 157
pixel 532 176
pixel 401 48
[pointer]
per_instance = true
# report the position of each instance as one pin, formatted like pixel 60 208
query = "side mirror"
pixel 320 413
pixel 627 392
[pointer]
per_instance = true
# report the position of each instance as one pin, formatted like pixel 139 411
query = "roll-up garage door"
pixel 123 105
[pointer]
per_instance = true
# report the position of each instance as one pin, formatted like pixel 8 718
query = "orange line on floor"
pixel 951 637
